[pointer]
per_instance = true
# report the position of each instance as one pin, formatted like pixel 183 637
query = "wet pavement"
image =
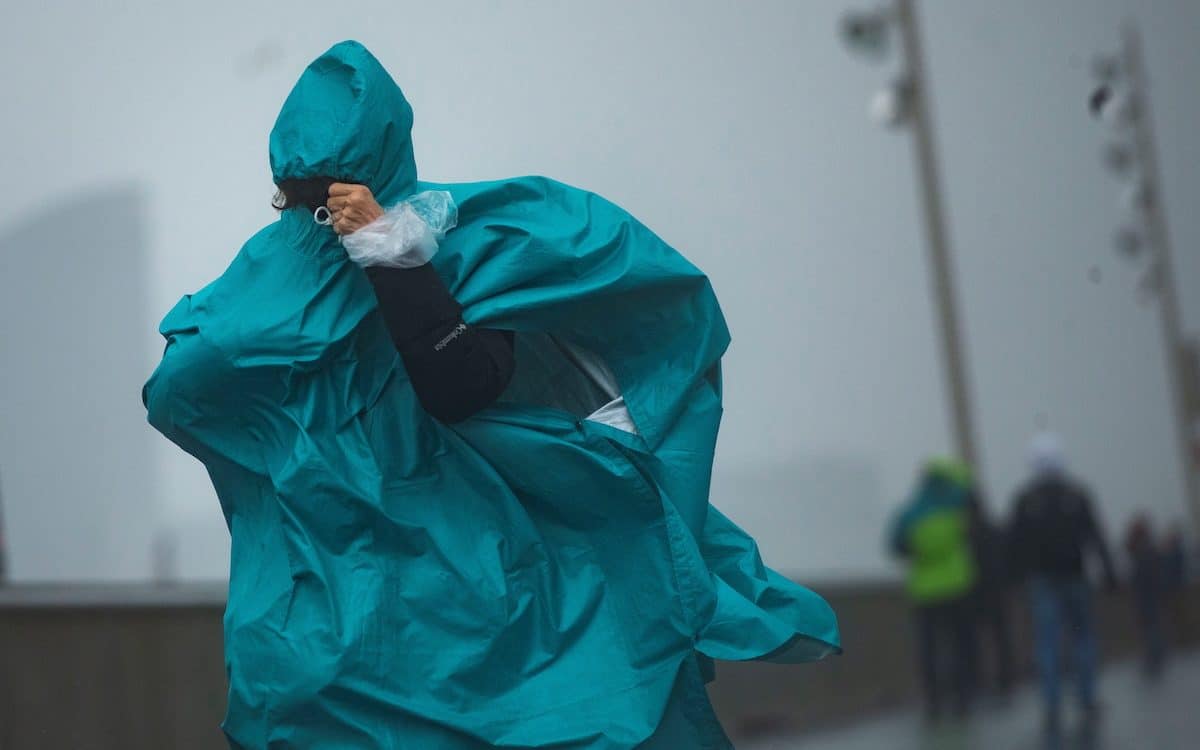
pixel 1137 714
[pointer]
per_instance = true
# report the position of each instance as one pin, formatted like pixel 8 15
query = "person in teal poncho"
pixel 467 487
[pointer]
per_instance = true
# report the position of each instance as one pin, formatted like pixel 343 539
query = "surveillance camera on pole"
pixel 867 33
pixel 892 105
pixel 1112 105
pixel 1099 98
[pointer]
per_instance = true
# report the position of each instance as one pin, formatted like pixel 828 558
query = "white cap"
pixel 1046 455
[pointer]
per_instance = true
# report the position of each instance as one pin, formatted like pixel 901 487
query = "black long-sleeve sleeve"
pixel 456 369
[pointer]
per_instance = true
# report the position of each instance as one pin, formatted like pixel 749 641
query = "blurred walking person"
pixel 993 590
pixel 1175 570
pixel 1053 528
pixel 933 534
pixel 1146 577
pixel 1175 582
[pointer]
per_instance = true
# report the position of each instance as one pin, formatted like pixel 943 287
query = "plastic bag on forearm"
pixel 407 234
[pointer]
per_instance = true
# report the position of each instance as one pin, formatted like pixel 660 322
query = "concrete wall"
pixel 111 668
pixel 111 676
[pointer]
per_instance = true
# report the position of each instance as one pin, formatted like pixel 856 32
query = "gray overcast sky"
pixel 736 130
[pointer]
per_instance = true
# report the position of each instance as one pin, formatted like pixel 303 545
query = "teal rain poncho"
pixel 526 578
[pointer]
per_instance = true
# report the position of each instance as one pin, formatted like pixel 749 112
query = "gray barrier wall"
pixel 131 668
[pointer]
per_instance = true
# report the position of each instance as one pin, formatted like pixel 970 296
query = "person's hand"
pixel 353 207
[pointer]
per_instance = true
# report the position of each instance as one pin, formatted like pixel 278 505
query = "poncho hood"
pixel 347 119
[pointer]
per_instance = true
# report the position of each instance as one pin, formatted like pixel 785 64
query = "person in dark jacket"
pixel 1053 529
pixel 1175 570
pixel 1175 582
pixel 1146 579
pixel 989 542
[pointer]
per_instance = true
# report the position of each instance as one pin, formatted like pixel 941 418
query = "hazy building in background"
pixel 76 464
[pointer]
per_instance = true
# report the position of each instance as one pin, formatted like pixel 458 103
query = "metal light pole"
pixel 1124 98
pixel 907 102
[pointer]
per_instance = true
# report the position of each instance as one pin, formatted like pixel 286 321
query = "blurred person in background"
pixel 1175 569
pixel 989 545
pixel 932 533
pixel 1147 581
pixel 1175 581
pixel 1053 528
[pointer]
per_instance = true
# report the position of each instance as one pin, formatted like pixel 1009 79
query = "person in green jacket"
pixel 932 534
pixel 538 568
